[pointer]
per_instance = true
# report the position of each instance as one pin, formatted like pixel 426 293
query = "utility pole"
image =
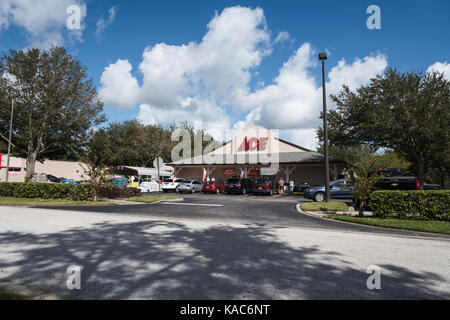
pixel 159 185
pixel 9 140
pixel 323 57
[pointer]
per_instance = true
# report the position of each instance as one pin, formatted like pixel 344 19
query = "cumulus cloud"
pixel 210 80
pixel 119 87
pixel 294 100
pixel 102 24
pixel 43 20
pixel 442 67
pixel 355 74
pixel 195 78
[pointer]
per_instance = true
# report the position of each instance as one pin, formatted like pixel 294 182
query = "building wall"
pixel 312 174
pixel 65 169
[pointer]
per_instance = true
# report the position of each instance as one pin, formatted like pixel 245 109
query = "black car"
pixel 238 185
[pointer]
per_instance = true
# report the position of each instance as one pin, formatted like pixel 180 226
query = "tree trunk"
pixel 420 173
pixel 362 206
pixel 31 161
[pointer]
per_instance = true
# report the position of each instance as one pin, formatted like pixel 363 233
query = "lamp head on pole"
pixel 322 56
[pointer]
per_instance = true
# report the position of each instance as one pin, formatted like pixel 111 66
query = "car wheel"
pixel 319 197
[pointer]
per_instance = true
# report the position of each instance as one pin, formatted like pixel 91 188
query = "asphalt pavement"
pixel 151 256
pixel 259 210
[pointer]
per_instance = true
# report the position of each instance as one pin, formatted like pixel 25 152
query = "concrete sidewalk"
pixel 134 257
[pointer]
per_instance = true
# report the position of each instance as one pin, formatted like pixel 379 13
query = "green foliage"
pixel 129 143
pixel 55 104
pixel 403 112
pixel 416 225
pixel 392 160
pixel 77 192
pixel 416 204
pixel 363 182
pixel 97 174
pixel 136 144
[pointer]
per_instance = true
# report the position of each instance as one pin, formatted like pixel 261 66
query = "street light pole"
pixel 323 57
pixel 9 140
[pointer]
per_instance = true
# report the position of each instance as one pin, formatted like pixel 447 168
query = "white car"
pixel 170 184
pixel 149 186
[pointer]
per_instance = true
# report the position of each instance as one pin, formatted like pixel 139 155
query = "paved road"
pixel 276 211
pixel 129 256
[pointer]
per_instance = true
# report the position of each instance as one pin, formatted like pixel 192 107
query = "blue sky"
pixel 222 93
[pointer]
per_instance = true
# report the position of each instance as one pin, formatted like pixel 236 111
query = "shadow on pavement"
pixel 166 260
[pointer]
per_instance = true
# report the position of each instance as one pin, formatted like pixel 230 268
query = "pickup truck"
pixel 393 179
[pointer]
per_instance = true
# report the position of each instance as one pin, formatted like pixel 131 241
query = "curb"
pixel 417 234
pixel 167 200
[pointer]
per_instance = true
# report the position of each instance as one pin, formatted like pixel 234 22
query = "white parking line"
pixel 194 204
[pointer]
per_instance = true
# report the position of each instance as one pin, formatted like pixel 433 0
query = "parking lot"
pixel 276 211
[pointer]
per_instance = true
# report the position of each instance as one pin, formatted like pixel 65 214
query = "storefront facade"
pixel 254 152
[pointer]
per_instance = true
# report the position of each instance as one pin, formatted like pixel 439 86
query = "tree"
pixel 363 181
pixel 97 174
pixel 408 113
pixel 130 143
pixel 56 104
pixel 136 144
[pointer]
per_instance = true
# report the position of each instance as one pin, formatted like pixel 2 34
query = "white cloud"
pixel 282 37
pixel 195 78
pixel 356 74
pixel 209 81
pixel 119 88
pixel 43 20
pixel 442 67
pixel 302 137
pixel 102 24
pixel 291 101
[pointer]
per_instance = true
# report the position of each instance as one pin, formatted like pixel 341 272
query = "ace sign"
pixel 253 144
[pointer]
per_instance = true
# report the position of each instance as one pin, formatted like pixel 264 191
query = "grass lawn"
pixel 150 199
pixel 324 206
pixel 9 295
pixel 10 201
pixel 415 225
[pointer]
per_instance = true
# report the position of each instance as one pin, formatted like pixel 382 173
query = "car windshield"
pixel 187 181
pixel 233 180
pixel 168 180
pixel 262 180
pixel 208 183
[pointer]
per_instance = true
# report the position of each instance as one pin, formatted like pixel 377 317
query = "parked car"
pixel 149 186
pixel 263 185
pixel 213 187
pixel 170 184
pixel 191 186
pixel 69 181
pixel 393 179
pixel 339 189
pixel 238 185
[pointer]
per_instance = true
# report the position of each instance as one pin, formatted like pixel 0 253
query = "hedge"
pixel 77 192
pixel 417 204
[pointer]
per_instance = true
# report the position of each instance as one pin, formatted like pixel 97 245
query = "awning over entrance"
pixel 139 171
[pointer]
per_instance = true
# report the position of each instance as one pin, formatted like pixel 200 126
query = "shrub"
pixel 417 204
pixel 77 192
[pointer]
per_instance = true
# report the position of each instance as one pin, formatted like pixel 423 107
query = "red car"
pixel 213 187
pixel 263 185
